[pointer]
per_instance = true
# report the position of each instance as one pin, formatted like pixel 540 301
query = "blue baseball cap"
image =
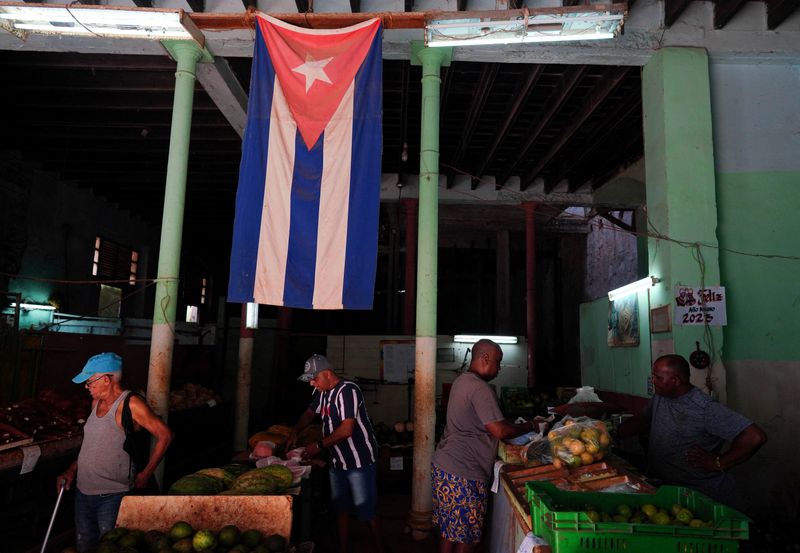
pixel 103 363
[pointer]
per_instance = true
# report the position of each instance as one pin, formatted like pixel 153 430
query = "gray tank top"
pixel 103 466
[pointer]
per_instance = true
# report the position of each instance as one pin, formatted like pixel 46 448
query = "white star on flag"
pixel 313 71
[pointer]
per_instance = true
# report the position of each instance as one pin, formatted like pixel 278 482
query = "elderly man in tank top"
pixel 103 470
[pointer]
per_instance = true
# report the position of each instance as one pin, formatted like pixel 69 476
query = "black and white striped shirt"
pixel 345 401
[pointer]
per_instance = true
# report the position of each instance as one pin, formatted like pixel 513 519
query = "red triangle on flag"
pixel 315 67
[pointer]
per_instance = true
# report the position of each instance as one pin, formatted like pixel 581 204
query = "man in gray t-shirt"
pixel 688 430
pixel 462 464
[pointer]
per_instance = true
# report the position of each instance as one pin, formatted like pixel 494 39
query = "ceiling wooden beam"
pixel 520 97
pixel 673 9
pixel 554 103
pixel 608 83
pixel 779 10
pixel 625 111
pixel 606 214
pixel 481 93
pixel 724 10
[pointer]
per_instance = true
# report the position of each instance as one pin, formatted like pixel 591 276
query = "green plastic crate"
pixel 569 530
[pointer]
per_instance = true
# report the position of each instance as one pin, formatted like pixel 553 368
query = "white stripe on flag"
pixel 333 206
pixel 273 241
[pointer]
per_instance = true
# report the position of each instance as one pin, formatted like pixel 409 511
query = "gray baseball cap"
pixel 315 365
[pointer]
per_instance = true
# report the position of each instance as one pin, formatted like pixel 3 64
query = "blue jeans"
pixel 355 489
pixel 94 516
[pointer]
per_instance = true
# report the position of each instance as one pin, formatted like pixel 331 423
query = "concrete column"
pixel 411 206
pixel 681 189
pixel 530 287
pixel 503 284
pixel 187 55
pixel 243 380
pixel 431 60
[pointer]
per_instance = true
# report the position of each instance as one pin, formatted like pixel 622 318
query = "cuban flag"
pixel 306 227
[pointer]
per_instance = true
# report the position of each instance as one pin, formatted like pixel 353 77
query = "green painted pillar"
pixel 681 191
pixel 431 59
pixel 187 54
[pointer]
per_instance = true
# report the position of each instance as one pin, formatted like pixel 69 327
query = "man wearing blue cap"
pixel 347 433
pixel 104 471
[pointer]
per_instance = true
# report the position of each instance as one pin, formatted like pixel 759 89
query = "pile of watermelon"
pixel 235 479
pixel 182 538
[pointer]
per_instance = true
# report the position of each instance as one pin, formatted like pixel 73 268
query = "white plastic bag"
pixel 585 394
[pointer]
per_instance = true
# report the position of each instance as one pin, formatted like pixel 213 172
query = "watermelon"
pixel 236 469
pixel 196 484
pixel 220 474
pixel 283 475
pixel 256 482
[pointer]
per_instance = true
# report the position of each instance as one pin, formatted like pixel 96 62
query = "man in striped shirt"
pixel 347 433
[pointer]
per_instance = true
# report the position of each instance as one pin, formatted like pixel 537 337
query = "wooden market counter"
pixel 510 511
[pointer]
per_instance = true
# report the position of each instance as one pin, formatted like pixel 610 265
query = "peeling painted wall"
pixel 57 240
pixel 611 257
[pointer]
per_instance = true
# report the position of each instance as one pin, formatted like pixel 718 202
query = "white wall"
pixel 360 356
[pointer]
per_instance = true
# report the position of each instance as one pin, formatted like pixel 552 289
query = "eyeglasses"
pixel 89 383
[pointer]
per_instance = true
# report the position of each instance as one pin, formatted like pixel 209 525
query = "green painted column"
pixel 681 190
pixel 431 59
pixel 187 54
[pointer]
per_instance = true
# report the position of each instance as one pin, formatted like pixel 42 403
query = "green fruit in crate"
pixel 649 510
pixel 695 523
pixel 661 518
pixel 685 516
pixel 229 536
pixel 183 546
pixel 275 543
pixel 107 546
pixel 638 518
pixel 619 518
pixel 180 530
pixel 624 510
pixel 594 516
pixel 675 509
pixel 252 538
pixel 114 534
pixel 605 517
pixel 204 540
pixel 129 540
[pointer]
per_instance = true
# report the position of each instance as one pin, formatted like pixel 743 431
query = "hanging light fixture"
pixel 637 286
pixel 21 18
pixel 573 23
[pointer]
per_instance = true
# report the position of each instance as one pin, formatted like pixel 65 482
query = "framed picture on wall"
pixel 659 319
pixel 623 321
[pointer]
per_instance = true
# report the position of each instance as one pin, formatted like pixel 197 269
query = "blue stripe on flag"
pixel 302 255
pixel 252 173
pixel 365 178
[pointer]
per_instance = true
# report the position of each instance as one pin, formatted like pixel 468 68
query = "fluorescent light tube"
pixel 472 338
pixel 637 286
pixel 34 307
pixel 251 318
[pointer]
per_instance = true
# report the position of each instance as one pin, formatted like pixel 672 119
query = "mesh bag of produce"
pixel 578 441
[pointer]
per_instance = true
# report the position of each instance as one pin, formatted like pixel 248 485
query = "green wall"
pixel 755 215
pixel 618 369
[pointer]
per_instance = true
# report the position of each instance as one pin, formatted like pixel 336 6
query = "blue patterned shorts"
pixel 459 506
